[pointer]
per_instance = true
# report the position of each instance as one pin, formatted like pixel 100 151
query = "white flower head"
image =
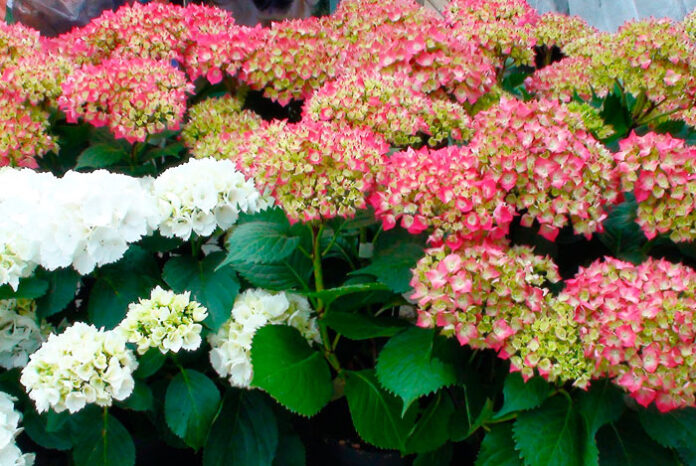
pixel 166 321
pixel 230 355
pixel 10 454
pixel 203 194
pixel 81 365
pixel 20 334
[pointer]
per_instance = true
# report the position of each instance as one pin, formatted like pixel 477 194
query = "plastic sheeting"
pixel 53 17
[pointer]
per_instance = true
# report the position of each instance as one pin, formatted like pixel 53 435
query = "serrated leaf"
pixel 190 405
pixel 624 443
pixel 332 294
pixel 140 399
pixel 550 435
pixel 29 288
pixel 356 326
pixel 674 429
pixel 432 429
pixel 260 242
pixel 213 287
pixel 498 448
pixel 245 432
pixel 602 404
pixel 297 376
pixel 396 253
pixel 290 273
pixel 622 235
pixel 376 414
pixel 105 444
pixel 520 395
pixel 408 368
pixel 149 363
pixel 100 156
pixel 62 286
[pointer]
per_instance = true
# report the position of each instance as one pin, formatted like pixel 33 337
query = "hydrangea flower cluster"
pixel 637 324
pixel 231 345
pixel 443 189
pixel 564 79
pixel 23 133
pixel 81 365
pixel 36 78
pixel 558 30
pixel 10 454
pixel 552 167
pixel 134 98
pixel 20 332
pixel 391 107
pixel 167 321
pixel 505 28
pixel 71 220
pixel 483 293
pixel 313 169
pixel 17 41
pixel 210 119
pixel 201 195
pixel 660 170
pixel 285 63
pixel 551 345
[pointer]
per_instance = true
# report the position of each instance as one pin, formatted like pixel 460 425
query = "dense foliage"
pixel 463 239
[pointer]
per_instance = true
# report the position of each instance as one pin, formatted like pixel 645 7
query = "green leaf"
pixel 331 294
pixel 290 451
pixel 396 253
pixel 297 376
pixel 602 404
pixel 362 327
pixel 141 399
pixel 432 429
pixel 498 448
pixel 521 396
pixel 149 363
pixel 107 444
pixel 245 432
pixel 190 406
pixel 550 435
pixel 62 286
pixel 120 284
pixel 29 288
pixel 408 367
pixel 260 242
pixel 674 429
pixel 376 414
pixel 100 156
pixel 440 457
pixel 624 443
pixel 213 287
pixel 35 426
pixel 622 235
pixel 290 273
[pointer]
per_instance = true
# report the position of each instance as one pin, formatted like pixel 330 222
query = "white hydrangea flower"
pixel 20 334
pixel 231 346
pixel 10 454
pixel 81 365
pixel 203 194
pixel 167 321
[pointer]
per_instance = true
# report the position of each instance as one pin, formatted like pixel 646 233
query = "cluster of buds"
pixel 558 30
pixel 36 78
pixel 483 293
pixel 210 119
pixel 391 107
pixel 314 170
pixel 292 59
pixel 660 170
pixel 17 41
pixel 551 166
pixel 504 28
pixel 566 78
pixel 637 324
pixel 135 98
pixel 444 189
pixel 23 133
